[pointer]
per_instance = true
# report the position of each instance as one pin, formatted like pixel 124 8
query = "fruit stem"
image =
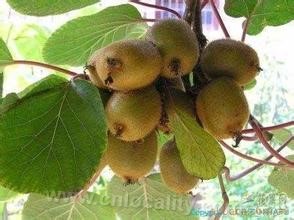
pixel 224 196
pixel 157 7
pixel 244 156
pixel 270 128
pixel 45 65
pixel 219 18
pixel 245 28
pixel 245 172
pixel 260 135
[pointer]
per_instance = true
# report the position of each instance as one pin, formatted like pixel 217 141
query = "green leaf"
pixel 90 207
pixel 75 41
pixel 261 13
pixel 250 85
pixel 47 7
pixel 149 199
pixel 283 135
pixel 201 154
pixel 6 194
pixel 51 140
pixel 283 179
pixel 30 41
pixel 5 57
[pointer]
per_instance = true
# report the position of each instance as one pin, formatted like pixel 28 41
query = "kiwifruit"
pixel 127 64
pixel 131 160
pixel 94 77
pixel 173 172
pixel 134 114
pixel 222 108
pixel 177 44
pixel 227 57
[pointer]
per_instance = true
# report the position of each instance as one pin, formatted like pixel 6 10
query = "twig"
pixel 270 128
pixel 204 3
pixel 251 169
pixel 157 7
pixel 245 28
pixel 225 198
pixel 219 18
pixel 244 156
pixel 267 146
pixel 47 66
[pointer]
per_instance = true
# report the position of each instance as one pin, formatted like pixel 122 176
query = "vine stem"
pixel 157 7
pixel 244 156
pixel 224 196
pixel 260 135
pixel 245 172
pixel 44 65
pixel 245 28
pixel 204 3
pixel 219 18
pixel 270 128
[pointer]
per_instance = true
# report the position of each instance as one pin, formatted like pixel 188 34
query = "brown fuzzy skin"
pixel 173 172
pixel 177 44
pixel 128 64
pixel 94 77
pixel 131 160
pixel 230 58
pixel 133 115
pixel 222 108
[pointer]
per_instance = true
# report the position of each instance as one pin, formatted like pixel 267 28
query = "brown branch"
pixel 157 7
pixel 44 65
pixel 225 198
pixel 270 128
pixel 251 169
pixel 244 156
pixel 267 146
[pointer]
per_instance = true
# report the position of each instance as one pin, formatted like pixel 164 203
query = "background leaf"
pixel 75 41
pixel 283 179
pixel 30 41
pixel 52 138
pixel 283 135
pixel 47 7
pixel 149 200
pixel 250 85
pixel 91 207
pixel 262 13
pixel 201 154
pixel 6 194
pixel 4 57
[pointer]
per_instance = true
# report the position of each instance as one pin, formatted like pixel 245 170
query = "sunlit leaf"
pixel 52 138
pixel 262 13
pixel 149 199
pixel 283 135
pixel 47 7
pixel 201 154
pixel 75 41
pixel 283 179
pixel 5 57
pixel 6 194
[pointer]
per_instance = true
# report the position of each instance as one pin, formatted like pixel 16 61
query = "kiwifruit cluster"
pixel 130 73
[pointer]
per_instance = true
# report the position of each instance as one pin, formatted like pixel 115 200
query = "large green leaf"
pixel 262 13
pixel 283 135
pixel 5 57
pixel 75 41
pixel 30 41
pixel 148 200
pixel 201 154
pixel 283 179
pixel 89 208
pixel 47 7
pixel 52 138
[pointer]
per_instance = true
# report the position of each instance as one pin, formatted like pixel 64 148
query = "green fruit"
pixel 222 108
pixel 127 64
pixel 94 77
pixel 131 160
pixel 230 58
pixel 133 115
pixel 173 172
pixel 177 44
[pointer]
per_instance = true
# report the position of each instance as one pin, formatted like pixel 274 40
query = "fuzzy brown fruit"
pixel 177 44
pixel 133 115
pixel 230 58
pixel 127 64
pixel 222 108
pixel 173 172
pixel 131 160
pixel 94 77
